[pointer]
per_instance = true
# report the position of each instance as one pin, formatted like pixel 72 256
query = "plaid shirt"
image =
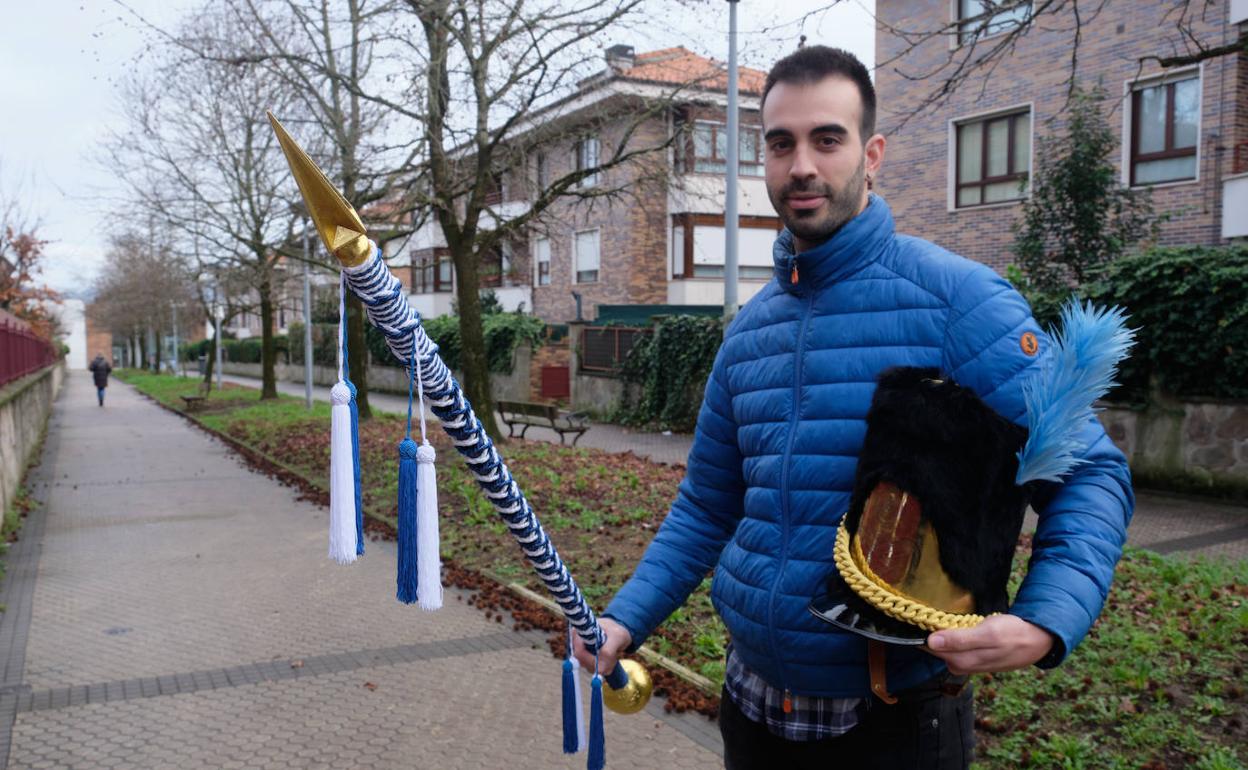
pixel 810 719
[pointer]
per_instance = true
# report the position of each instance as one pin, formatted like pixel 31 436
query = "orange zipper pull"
pixel 793 275
pixel 788 697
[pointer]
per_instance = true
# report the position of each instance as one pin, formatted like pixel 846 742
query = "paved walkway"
pixel 1164 523
pixel 169 608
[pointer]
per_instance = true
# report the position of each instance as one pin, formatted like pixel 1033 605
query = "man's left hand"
pixel 1000 643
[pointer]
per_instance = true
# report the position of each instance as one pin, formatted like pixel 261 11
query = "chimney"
pixel 619 58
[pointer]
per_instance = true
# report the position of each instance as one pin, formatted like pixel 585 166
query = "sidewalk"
pixel 1163 523
pixel 170 608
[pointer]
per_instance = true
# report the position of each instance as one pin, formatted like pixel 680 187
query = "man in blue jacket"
pixel 773 460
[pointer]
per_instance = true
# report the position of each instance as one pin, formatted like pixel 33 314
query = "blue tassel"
pixel 355 468
pixel 571 741
pixel 597 738
pixel 1091 344
pixel 407 581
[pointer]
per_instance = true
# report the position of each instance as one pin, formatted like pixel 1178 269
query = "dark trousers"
pixel 100 392
pixel 925 729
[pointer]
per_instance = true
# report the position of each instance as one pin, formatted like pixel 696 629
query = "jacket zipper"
pixel 784 491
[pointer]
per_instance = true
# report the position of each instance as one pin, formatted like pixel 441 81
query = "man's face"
pixel 816 161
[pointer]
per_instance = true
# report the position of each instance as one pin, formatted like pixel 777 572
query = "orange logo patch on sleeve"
pixel 1029 343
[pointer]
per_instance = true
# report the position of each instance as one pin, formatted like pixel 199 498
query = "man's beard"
pixel 842 206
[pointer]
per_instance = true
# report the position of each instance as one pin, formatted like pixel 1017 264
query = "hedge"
pixel 1190 306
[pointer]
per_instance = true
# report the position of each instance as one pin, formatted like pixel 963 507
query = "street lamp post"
pixel 730 196
pixel 217 312
pixel 307 319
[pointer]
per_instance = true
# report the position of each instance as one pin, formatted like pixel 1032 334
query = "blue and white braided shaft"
pixel 388 310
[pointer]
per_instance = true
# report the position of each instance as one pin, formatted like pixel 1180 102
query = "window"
pixel 710 149
pixel 1164 131
pixel 543 172
pixel 496 266
pixel 698 246
pixel 432 273
pixel 541 257
pixel 587 260
pixel 493 189
pixel 993 157
pixel 587 157
pixel 976 18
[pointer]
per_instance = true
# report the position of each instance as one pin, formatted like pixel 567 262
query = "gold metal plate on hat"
pixel 900 547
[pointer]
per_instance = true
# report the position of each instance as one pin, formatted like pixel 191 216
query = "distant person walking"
pixel 100 369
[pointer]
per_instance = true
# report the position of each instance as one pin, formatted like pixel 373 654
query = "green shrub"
pixel 667 372
pixel 1190 305
pixel 503 333
pixel 250 350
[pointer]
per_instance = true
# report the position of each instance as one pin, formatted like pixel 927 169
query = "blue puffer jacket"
pixel 773 460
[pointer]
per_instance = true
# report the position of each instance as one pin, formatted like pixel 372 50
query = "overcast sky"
pixel 60 61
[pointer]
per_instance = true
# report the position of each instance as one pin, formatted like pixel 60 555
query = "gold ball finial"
pixel 635 695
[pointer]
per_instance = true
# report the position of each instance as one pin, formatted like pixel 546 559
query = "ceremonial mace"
pixel 628 686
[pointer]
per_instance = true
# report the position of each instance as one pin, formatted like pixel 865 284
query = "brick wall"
pixel 100 340
pixel 915 176
pixel 632 232
pixel 548 354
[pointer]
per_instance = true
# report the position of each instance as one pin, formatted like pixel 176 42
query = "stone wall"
pixel 24 408
pixel 1196 445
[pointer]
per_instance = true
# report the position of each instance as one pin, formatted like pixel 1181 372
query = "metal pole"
pixel 177 358
pixel 730 197
pixel 307 319
pixel 216 317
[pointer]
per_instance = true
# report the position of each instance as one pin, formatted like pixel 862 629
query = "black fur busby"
pixel 943 482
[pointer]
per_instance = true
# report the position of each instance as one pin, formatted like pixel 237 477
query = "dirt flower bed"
pixel 1159 682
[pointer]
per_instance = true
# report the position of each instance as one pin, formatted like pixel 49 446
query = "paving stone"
pixel 174 569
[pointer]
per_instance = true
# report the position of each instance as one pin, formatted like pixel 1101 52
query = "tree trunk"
pixel 472 355
pixel 159 351
pixel 268 353
pixel 357 354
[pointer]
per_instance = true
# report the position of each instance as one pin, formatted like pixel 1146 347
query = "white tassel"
pixel 428 558
pixel 582 739
pixel 342 545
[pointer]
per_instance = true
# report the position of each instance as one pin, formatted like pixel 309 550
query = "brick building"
pixel 661 240
pixel 953 176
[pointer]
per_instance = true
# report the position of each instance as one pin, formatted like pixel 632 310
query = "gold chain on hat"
pixel 879 594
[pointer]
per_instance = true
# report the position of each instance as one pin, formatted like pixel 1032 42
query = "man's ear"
pixel 874 155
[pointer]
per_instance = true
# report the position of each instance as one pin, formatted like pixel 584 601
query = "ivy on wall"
pixel 666 373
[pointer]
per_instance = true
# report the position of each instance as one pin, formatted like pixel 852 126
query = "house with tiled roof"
pixel 661 241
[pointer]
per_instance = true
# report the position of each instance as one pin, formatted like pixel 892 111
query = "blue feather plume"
pixel 1089 347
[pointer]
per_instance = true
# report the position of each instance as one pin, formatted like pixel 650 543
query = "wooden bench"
pixel 193 401
pixel 527 414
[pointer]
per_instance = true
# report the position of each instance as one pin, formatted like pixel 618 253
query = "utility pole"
pixel 734 151
pixel 307 318
pixel 217 312
pixel 177 356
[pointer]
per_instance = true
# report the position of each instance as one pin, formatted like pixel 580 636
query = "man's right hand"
pixel 618 640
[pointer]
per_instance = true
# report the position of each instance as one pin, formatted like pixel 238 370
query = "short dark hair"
pixel 810 64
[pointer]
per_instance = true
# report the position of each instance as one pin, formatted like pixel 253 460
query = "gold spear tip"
pixel 340 228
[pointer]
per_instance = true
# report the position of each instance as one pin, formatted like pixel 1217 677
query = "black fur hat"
pixel 934 452
pixel 943 482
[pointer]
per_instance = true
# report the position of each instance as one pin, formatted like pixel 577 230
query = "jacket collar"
pixel 855 245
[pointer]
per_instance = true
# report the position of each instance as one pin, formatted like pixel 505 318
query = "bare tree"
pixel 143 281
pixel 197 153
pixel 498 76
pixel 479 83
pixel 331 56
